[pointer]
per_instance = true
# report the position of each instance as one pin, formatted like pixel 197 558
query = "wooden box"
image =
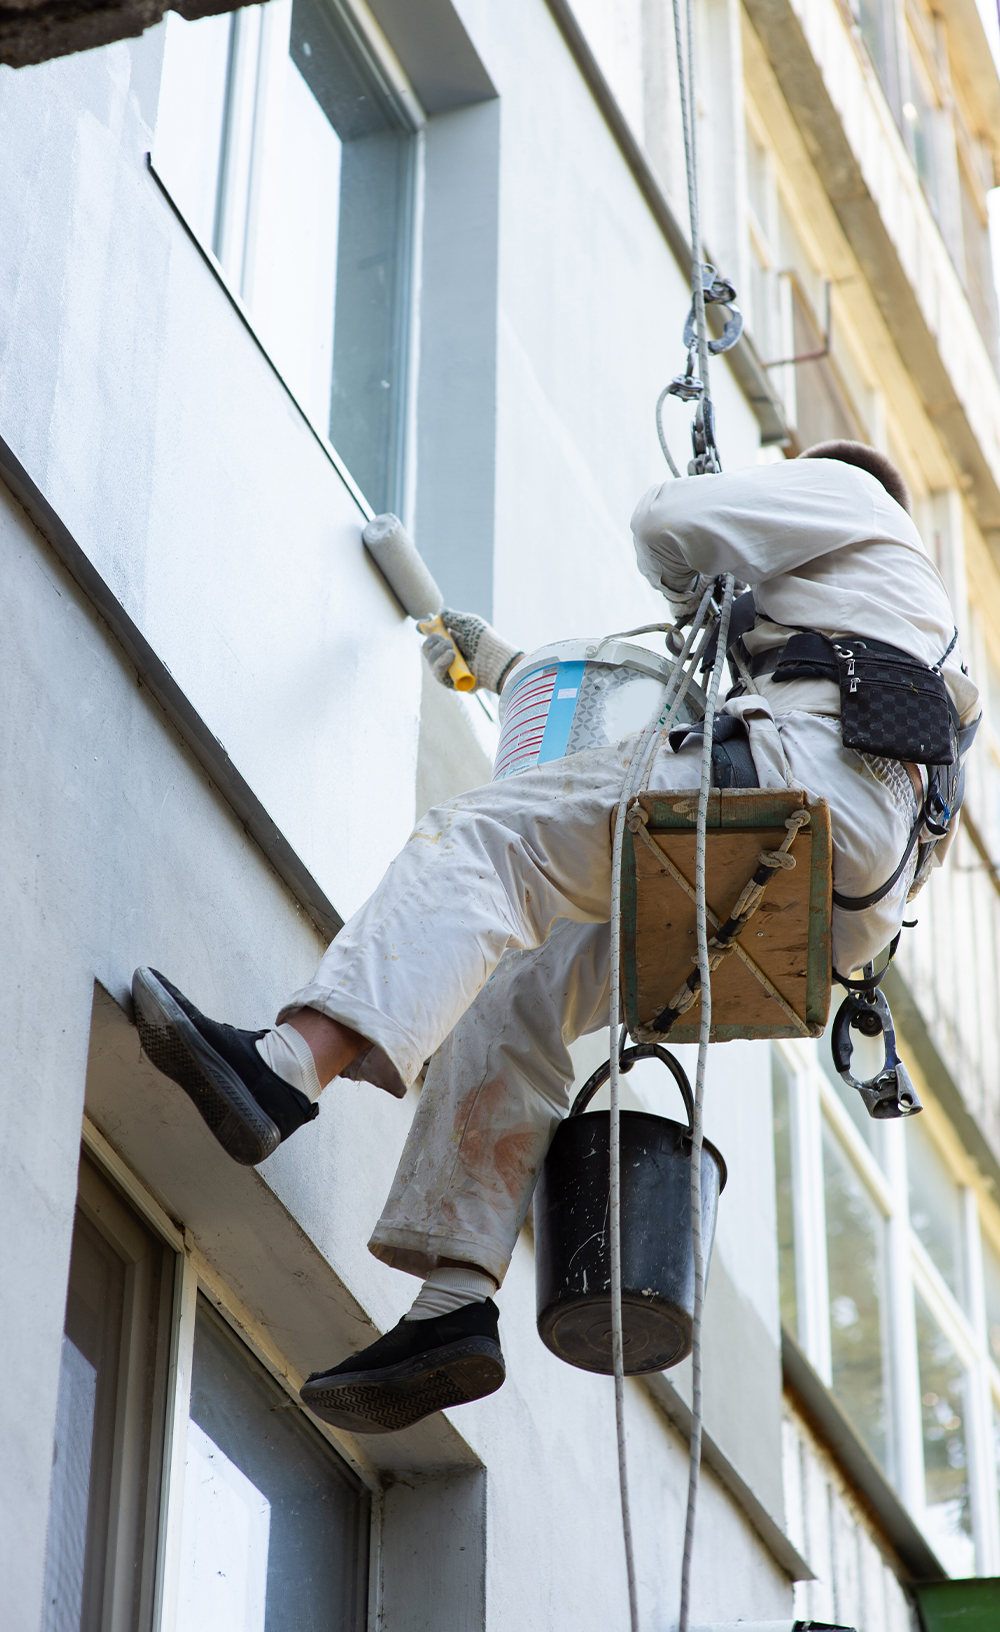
pixel 788 938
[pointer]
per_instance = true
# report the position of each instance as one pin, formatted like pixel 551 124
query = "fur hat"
pixel 866 458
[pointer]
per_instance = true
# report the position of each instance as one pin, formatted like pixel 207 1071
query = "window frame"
pixel 193 1274
pixel 395 86
pixel 908 1269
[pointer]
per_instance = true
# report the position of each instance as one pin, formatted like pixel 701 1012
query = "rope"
pixel 660 721
pixel 697 1131
pixel 686 86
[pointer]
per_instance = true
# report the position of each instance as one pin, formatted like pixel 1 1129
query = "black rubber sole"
pixel 395 1397
pixel 176 1047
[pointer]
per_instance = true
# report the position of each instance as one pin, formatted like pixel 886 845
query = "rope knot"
pixel 776 858
pixel 636 817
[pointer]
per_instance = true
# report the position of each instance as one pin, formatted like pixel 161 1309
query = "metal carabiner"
pixel 716 292
pixel 889 1093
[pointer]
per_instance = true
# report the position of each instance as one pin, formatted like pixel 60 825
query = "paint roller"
pixel 405 571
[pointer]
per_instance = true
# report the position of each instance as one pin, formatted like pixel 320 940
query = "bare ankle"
pixel 333 1046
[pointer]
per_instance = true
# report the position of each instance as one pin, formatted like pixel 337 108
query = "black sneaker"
pixel 247 1106
pixel 419 1367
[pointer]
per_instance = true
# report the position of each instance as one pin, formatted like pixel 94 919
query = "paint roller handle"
pixel 462 677
pixel 405 571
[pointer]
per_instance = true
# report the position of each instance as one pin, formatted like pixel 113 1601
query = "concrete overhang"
pixel 975 70
pixel 33 31
pixel 802 85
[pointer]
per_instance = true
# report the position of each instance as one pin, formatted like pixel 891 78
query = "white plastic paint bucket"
pixel 577 694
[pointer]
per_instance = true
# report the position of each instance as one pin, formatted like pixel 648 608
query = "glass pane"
pixel 855 1234
pixel 935 1205
pixel 102 1513
pixel 781 1090
pixel 991 1283
pixel 275 1528
pixel 371 261
pixel 946 1472
pixel 277 139
pixel 996 1448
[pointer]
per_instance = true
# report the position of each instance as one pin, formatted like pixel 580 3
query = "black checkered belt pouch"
pixel 891 705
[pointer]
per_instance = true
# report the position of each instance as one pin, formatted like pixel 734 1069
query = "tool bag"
pixel 891 705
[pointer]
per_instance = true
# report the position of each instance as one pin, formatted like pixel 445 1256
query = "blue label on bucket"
pixel 561 711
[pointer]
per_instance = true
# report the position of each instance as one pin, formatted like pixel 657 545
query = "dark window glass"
pixel 855 1234
pixel 100 1553
pixel 275 1526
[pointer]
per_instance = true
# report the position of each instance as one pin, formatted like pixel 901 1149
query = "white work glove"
pixel 488 656
pixel 684 603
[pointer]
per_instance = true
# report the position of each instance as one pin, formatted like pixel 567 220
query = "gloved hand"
pixel 684 603
pixel 488 656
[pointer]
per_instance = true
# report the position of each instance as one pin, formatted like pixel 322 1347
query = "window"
pixel 265 1527
pixel 781 1090
pixel 991 1287
pixel 935 1206
pixel 868 1231
pixel 946 1462
pixel 855 1251
pixel 275 1527
pixel 104 1504
pixel 291 158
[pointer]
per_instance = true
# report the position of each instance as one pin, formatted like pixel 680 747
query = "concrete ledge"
pixel 159 682
pixel 769 1531
pixel 856 1462
pixel 37 30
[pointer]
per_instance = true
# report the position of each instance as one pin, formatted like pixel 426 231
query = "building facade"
pixel 262 276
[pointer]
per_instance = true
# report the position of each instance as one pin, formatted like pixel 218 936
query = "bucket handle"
pixel 626 1060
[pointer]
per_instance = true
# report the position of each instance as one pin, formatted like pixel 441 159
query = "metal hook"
pixel 889 1093
pixel 716 291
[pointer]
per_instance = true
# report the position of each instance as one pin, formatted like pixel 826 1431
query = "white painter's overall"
pixel 485 947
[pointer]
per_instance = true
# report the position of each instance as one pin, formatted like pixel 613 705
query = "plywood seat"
pixel 787 941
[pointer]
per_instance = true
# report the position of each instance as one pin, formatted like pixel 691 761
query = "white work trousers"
pixel 485 949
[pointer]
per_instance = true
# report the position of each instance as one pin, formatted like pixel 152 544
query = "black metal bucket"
pixel 573 1242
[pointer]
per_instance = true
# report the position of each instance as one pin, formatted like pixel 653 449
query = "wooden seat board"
pixel 788 937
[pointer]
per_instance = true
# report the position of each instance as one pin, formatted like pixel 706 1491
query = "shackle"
pixel 889 1093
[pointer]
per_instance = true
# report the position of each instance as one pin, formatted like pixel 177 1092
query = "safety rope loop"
pixel 697 1125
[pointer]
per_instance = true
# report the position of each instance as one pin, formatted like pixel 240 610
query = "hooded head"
pixel 866 458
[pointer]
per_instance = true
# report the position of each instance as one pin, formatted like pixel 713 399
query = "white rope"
pixel 686 86
pixel 697 1131
pixel 662 719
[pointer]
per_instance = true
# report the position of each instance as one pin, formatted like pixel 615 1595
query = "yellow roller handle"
pixel 462 676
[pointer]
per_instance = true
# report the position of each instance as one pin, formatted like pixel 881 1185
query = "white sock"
pixel 446 1290
pixel 288 1054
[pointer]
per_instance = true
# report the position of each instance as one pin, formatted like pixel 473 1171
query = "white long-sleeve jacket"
pixel 822 545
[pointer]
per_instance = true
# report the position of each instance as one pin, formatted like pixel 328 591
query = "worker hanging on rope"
pixel 484 951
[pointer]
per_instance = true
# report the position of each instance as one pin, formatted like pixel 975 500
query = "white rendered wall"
pixel 137 400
